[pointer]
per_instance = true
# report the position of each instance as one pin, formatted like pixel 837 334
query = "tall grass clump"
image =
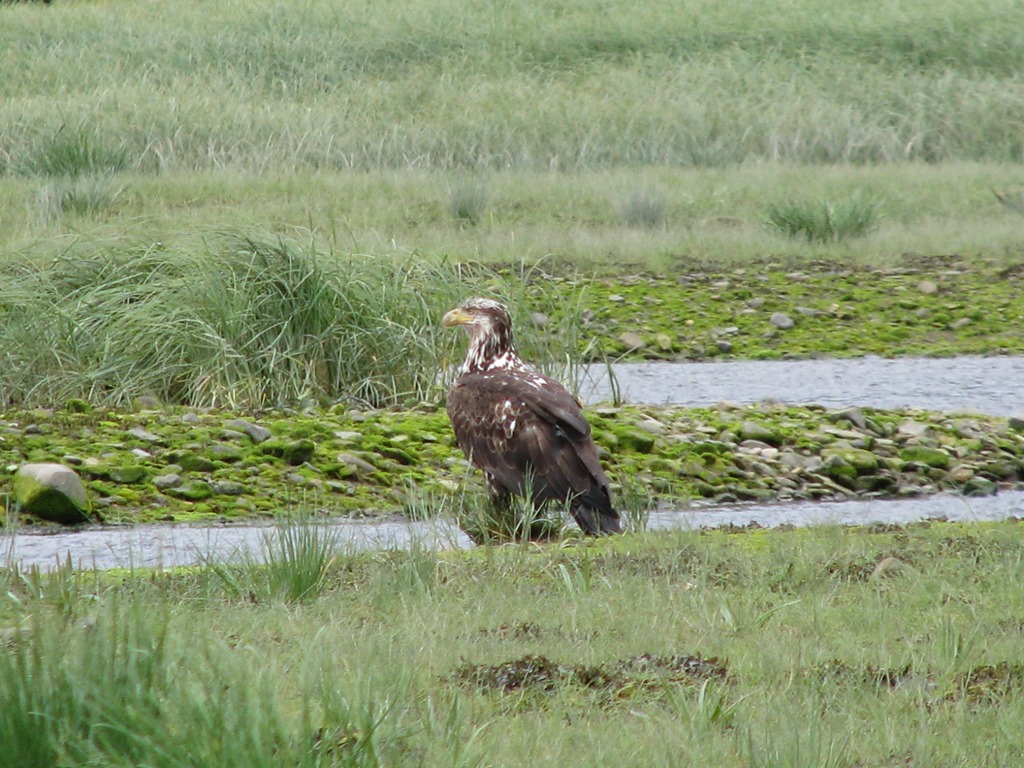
pixel 827 220
pixel 468 200
pixel 293 565
pixel 136 688
pixel 239 320
pixel 74 151
pixel 643 208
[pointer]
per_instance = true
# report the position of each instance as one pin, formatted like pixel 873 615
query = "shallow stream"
pixel 993 385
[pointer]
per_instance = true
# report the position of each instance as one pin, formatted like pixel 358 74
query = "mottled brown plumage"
pixel 522 428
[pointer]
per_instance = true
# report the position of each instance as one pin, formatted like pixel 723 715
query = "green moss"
pixel 931 457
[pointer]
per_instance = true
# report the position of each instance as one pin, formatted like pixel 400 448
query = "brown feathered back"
pixel 522 428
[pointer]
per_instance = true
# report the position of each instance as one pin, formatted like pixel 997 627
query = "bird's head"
pixel 490 333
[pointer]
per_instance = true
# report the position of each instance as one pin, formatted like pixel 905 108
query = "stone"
pixel 864 462
pixel 751 430
pixel 51 492
pixel 854 415
pixel 170 480
pixel 723 346
pixel 141 434
pixel 195 490
pixel 360 465
pixel 632 341
pixel 539 319
pixel 927 287
pixel 920 454
pixel 257 433
pixel 227 488
pixel 128 474
pixel 781 321
pixel 1016 423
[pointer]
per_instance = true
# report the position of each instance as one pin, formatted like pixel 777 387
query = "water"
pixel 960 384
pixel 963 384
pixel 147 546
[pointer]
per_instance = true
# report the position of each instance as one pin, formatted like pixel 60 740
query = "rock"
pixel 361 465
pixel 781 321
pixel 190 418
pixel 147 403
pixel 920 454
pixel 911 428
pixel 980 486
pixel 191 462
pixel 128 475
pixel 653 426
pixel 170 480
pixel 194 490
pixel 539 319
pixel 1016 423
pixel 854 415
pixel 634 439
pixel 51 492
pixel 632 341
pixel 723 346
pixel 927 287
pixel 227 488
pixel 226 452
pixel 141 434
pixel 963 322
pixel 751 430
pixel 864 462
pixel 256 433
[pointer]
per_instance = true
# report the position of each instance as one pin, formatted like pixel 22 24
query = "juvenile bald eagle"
pixel 522 428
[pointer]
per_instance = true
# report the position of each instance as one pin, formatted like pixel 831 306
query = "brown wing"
pixel 528 433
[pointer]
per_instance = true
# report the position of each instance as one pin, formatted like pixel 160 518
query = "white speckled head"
pixel 491 346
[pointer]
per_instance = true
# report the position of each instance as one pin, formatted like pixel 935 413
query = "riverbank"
pixel 175 464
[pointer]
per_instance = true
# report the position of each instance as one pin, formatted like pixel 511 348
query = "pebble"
pixel 781 321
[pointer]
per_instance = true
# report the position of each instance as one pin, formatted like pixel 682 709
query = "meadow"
pixel 268 205
pixel 826 647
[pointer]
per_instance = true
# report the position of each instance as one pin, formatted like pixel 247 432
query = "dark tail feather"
pixel 596 522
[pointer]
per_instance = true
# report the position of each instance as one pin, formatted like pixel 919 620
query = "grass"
pixel 452 86
pixel 648 648
pixel 826 221
pixel 237 320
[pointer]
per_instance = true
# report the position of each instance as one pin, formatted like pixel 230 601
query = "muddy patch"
pixel 539 674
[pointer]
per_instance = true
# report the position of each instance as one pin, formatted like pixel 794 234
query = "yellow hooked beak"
pixel 457 316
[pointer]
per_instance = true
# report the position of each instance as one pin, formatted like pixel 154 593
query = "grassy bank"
pixel 828 647
pixel 446 85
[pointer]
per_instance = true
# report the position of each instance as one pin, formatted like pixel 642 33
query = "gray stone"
pixel 51 492
pixel 980 486
pixel 927 287
pixel 781 321
pixel 1016 423
pixel 361 465
pixel 854 415
pixel 539 319
pixel 141 434
pixel 724 346
pixel 171 480
pixel 227 488
pixel 257 433
pixel 632 341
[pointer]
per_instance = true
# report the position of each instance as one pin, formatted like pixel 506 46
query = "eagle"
pixel 522 428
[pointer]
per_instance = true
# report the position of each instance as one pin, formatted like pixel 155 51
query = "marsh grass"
pixel 293 564
pixel 468 199
pixel 80 196
pixel 244 320
pixel 826 221
pixel 650 649
pixel 643 208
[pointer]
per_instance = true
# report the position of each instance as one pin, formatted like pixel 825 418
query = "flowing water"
pixel 147 546
pixel 964 384
pixel 993 385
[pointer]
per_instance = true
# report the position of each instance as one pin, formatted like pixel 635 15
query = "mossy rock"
pixel 195 490
pixel 294 452
pixel 921 454
pixel 190 461
pixel 51 492
pixel 864 462
pixel 633 439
